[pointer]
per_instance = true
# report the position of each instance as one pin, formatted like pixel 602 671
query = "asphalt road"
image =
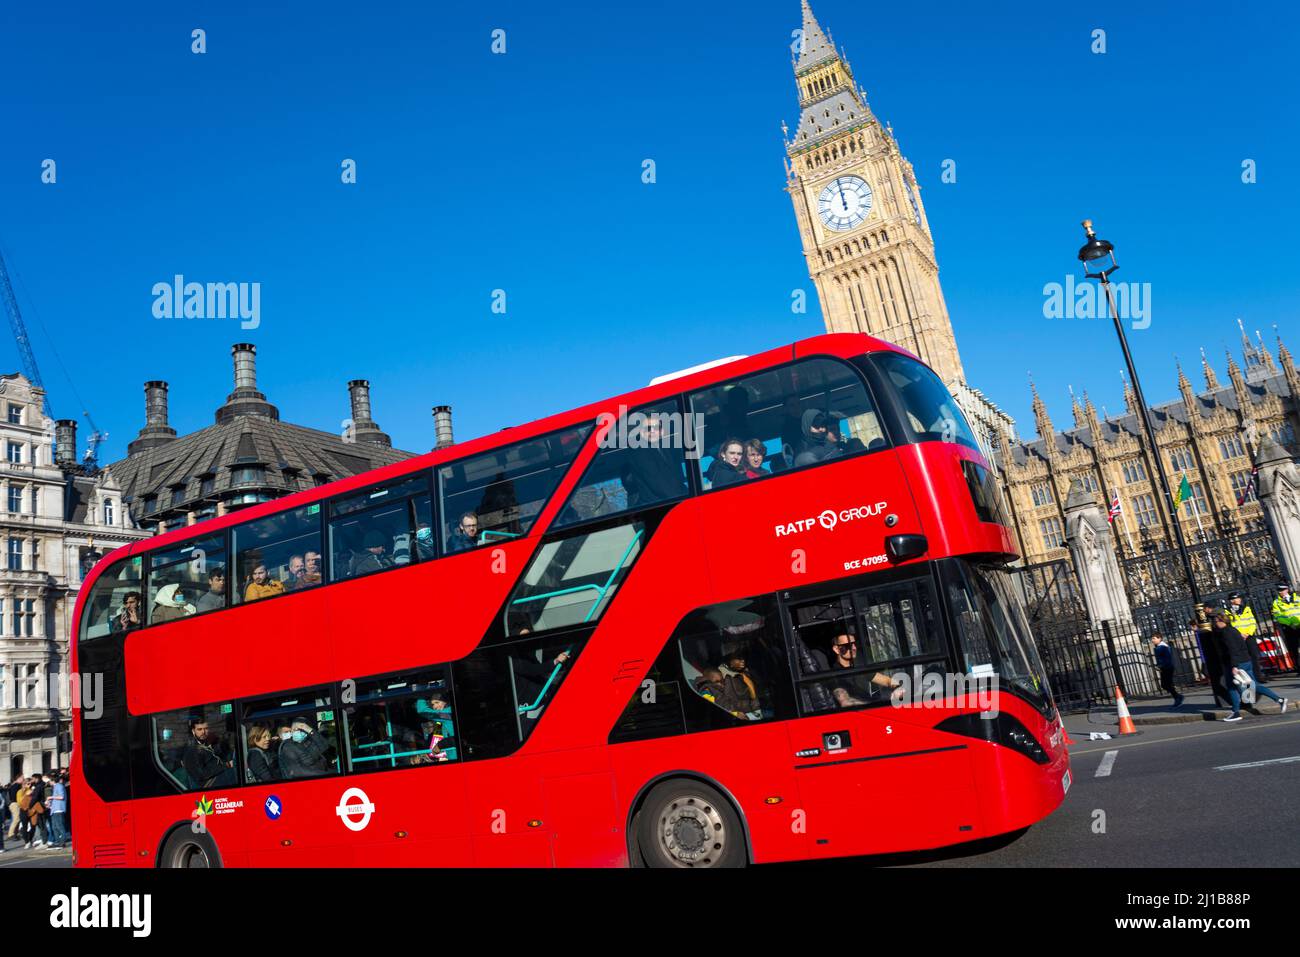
pixel 1171 796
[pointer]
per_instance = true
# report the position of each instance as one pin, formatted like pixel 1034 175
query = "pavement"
pixel 1198 705
pixel 16 855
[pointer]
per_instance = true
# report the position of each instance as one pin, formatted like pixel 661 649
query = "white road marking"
pixel 1258 764
pixel 1107 762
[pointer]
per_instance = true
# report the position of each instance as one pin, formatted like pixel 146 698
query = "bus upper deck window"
pixel 801 414
pixel 116 603
pixel 930 413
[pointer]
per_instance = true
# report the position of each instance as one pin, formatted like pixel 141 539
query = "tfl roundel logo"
pixel 355 804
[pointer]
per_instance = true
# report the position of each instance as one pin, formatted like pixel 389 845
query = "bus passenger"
pixel 817 445
pixel 129 616
pixel 652 472
pixel 215 596
pixel 729 694
pixel 465 535
pixel 262 764
pixel 755 453
pixel 311 571
pixel 297 570
pixel 726 468
pixel 304 754
pixel 262 585
pixel 424 540
pixel 205 760
pixel 376 557
pixel 169 604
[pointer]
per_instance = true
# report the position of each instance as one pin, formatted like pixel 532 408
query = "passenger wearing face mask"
pixel 303 752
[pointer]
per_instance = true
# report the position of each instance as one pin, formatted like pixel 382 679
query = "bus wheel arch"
pixel 183 847
pixel 700 798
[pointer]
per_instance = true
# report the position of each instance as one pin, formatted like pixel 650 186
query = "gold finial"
pixel 1087 225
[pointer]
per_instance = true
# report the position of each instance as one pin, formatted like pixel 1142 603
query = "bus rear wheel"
pixel 185 849
pixel 686 823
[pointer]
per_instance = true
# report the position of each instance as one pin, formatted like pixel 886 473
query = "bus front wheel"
pixel 686 823
pixel 186 849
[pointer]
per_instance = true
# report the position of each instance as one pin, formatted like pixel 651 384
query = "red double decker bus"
pixel 732 617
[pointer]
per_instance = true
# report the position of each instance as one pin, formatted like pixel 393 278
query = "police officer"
pixel 1241 617
pixel 1286 613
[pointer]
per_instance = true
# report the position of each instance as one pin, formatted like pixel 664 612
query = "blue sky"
pixel 522 172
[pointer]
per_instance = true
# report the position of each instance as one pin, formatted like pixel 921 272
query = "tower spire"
pixel 814 46
pixel 1211 380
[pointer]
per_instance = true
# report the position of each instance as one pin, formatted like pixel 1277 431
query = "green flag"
pixel 1183 494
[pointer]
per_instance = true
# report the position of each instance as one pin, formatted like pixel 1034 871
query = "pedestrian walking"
pixel 36 811
pixel 58 813
pixel 1286 614
pixel 11 798
pixel 1165 664
pixel 1233 649
pixel 1213 664
pixel 1242 617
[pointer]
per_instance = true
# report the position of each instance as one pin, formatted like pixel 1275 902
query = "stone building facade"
pixel 1208 434
pixel 56 519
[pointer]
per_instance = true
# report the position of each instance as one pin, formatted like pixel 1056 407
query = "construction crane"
pixel 19 328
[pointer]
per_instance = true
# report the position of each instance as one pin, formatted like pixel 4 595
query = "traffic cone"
pixel 1126 725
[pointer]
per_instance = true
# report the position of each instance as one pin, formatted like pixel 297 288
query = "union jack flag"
pixel 1249 490
pixel 1115 509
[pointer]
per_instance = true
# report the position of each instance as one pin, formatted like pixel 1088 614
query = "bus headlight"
pixel 1004 730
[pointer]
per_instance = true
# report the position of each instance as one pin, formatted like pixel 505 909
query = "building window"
pixel 208 485
pixel 1231 447
pixel 1042 494
pixel 15 554
pixel 1243 488
pixel 24 618
pixel 15 414
pixel 150 504
pixel 28 680
pixel 1051 529
pixel 15 498
pixel 1144 508
pixel 1283 434
pixel 1199 505
pixel 1134 471
pixel 248 473
pixel 108 511
pixel 1089 481
pixel 16 453
pixel 1181 460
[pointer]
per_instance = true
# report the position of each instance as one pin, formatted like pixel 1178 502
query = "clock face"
pixel 844 203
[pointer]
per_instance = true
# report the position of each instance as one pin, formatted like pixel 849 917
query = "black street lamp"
pixel 1098 258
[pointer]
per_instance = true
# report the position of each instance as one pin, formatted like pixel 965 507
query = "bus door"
pixel 873 775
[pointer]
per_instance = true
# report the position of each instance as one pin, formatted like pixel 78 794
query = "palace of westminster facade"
pixel 871 257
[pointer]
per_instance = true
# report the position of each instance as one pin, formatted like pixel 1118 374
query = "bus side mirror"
pixel 900 548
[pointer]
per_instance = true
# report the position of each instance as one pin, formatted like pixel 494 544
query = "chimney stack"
pixel 65 443
pixel 156 431
pixel 359 392
pixel 364 428
pixel 245 354
pixel 245 399
pixel 442 427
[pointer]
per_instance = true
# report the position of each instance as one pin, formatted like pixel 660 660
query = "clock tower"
pixel 861 220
